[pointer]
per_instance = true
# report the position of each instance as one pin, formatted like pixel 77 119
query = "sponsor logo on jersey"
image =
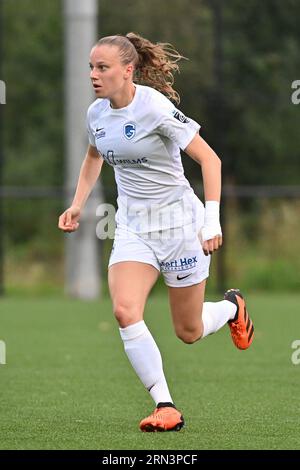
pixel 180 117
pixel 181 264
pixel 100 132
pixel 111 159
pixel 129 130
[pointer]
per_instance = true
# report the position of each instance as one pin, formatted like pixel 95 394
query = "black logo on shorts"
pixel 183 277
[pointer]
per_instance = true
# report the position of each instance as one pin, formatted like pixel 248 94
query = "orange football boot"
pixel 241 327
pixel 165 417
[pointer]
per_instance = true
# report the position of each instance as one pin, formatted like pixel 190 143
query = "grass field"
pixel 67 383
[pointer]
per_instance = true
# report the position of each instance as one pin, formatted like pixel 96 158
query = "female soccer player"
pixel 161 226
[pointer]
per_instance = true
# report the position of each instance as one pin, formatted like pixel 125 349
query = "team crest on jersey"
pixel 129 130
pixel 180 117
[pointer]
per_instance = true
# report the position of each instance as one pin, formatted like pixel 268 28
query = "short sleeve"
pixel 91 135
pixel 176 126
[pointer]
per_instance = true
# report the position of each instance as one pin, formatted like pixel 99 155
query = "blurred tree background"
pixel 243 58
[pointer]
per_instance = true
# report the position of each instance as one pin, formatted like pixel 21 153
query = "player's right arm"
pixel 89 173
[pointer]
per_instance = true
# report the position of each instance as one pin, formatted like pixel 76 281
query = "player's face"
pixel 108 75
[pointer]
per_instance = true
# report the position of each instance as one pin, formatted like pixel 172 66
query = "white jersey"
pixel 142 142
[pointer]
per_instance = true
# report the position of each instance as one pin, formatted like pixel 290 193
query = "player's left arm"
pixel 202 153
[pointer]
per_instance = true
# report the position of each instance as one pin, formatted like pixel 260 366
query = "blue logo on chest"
pixel 129 130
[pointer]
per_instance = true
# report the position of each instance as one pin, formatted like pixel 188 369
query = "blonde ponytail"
pixel 155 64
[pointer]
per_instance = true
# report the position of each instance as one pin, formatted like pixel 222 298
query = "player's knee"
pixel 125 314
pixel 189 335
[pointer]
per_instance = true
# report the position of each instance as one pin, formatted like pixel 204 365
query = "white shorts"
pixel 177 252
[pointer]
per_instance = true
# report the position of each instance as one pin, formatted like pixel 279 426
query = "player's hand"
pixel 211 231
pixel 68 221
pixel 209 246
pixel 211 238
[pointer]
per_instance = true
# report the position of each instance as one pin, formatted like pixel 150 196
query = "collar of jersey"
pixel 118 110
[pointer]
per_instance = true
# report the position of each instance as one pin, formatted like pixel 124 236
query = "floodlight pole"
pixel 82 247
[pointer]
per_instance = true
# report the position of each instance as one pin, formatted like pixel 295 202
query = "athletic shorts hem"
pixel 132 258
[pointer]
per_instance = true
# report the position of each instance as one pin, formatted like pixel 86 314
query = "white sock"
pixel 216 314
pixel 146 360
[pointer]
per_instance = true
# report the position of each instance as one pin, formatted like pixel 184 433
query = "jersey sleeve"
pixel 90 133
pixel 172 123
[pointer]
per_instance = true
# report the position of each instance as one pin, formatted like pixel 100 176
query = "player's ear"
pixel 128 71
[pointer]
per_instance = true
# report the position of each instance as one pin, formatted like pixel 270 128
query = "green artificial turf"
pixel 67 383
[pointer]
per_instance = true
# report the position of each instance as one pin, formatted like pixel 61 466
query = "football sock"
pixel 146 360
pixel 216 314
